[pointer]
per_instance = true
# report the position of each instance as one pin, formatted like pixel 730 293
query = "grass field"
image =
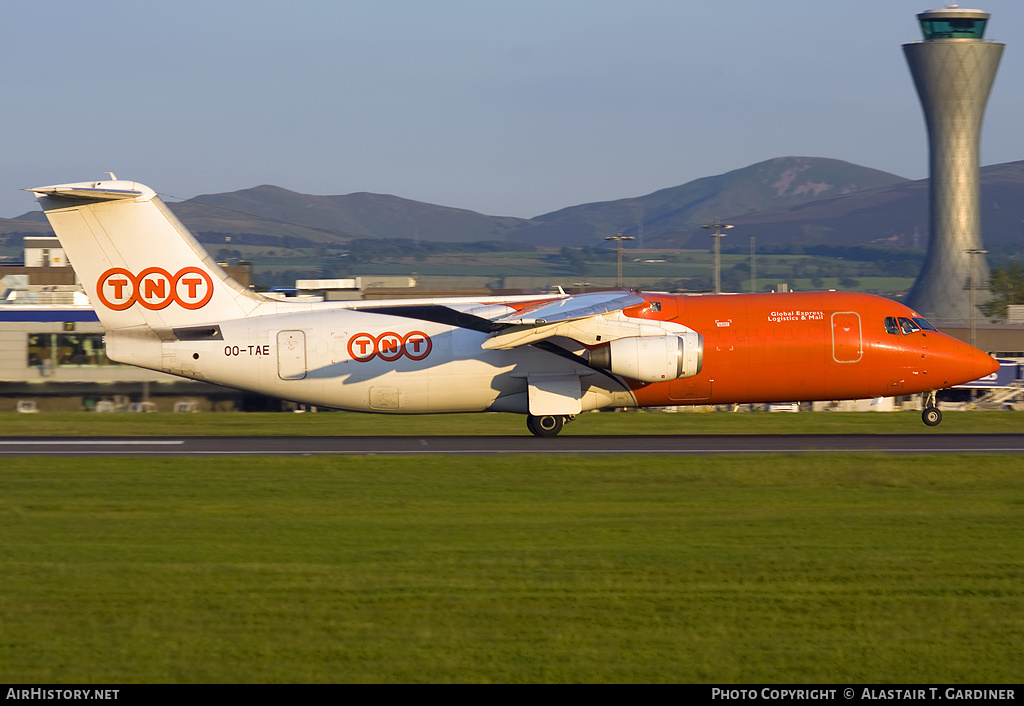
pixel 634 423
pixel 833 568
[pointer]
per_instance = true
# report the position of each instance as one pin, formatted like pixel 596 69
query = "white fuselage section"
pixel 361 361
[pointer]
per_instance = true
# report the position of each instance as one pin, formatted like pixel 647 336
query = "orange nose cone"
pixel 951 362
pixel 976 364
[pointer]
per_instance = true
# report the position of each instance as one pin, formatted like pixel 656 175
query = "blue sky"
pixel 507 108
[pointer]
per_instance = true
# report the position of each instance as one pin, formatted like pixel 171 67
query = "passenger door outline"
pixel 847 342
pixel 291 355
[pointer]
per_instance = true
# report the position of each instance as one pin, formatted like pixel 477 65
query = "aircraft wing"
pixel 579 306
pixel 590 319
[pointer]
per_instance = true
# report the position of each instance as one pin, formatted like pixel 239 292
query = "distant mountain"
pixel 274 212
pixel 286 217
pixel 895 216
pixel 667 214
pixel 789 200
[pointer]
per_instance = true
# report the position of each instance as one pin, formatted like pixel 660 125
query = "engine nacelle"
pixel 652 358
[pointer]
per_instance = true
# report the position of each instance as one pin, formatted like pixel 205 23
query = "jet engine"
pixel 652 358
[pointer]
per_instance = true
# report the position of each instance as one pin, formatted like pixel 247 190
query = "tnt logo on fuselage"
pixel 389 346
pixel 154 288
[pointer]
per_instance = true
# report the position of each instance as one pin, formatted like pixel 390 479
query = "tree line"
pixel 1006 285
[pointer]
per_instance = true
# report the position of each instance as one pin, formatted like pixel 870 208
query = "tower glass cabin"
pixel 953 23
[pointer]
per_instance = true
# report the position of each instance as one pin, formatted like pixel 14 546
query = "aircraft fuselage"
pixel 757 348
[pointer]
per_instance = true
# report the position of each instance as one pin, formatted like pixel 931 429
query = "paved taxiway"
pixel 484 445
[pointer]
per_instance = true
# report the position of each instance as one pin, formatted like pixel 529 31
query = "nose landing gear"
pixel 931 414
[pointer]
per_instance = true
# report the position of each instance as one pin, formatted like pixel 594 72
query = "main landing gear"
pixel 546 425
pixel 931 414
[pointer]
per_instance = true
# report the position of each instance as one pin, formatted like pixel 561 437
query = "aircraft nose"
pixel 948 362
pixel 990 364
pixel 975 364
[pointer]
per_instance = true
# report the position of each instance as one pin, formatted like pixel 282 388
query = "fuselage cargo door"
pixel 846 337
pixel 291 355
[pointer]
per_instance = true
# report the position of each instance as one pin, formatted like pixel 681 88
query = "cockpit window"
pixel 924 324
pixel 891 326
pixel 908 326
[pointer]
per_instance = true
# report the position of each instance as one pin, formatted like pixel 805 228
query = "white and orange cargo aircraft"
pixel 166 305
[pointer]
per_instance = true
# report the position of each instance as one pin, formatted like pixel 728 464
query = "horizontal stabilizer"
pixel 84 192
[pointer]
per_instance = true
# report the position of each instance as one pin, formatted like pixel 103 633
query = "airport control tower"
pixel 953 71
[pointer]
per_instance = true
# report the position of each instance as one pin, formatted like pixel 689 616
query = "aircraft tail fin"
pixel 139 265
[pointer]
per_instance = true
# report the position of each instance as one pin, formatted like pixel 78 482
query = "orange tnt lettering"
pixel 192 284
pixel 118 285
pixel 155 287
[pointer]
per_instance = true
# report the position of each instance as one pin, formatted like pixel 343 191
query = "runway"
pixel 1012 444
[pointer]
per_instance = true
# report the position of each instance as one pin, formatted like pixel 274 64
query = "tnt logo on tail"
pixel 154 288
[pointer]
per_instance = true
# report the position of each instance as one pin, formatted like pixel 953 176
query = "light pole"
pixel 618 238
pixel 716 229
pixel 753 263
pixel 974 269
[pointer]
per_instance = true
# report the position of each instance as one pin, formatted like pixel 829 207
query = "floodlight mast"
pixel 974 253
pixel 618 238
pixel 753 263
pixel 716 229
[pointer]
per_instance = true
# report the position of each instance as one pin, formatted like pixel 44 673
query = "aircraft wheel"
pixel 931 416
pixel 545 426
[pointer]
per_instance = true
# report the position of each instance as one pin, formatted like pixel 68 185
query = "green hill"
pixel 766 186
